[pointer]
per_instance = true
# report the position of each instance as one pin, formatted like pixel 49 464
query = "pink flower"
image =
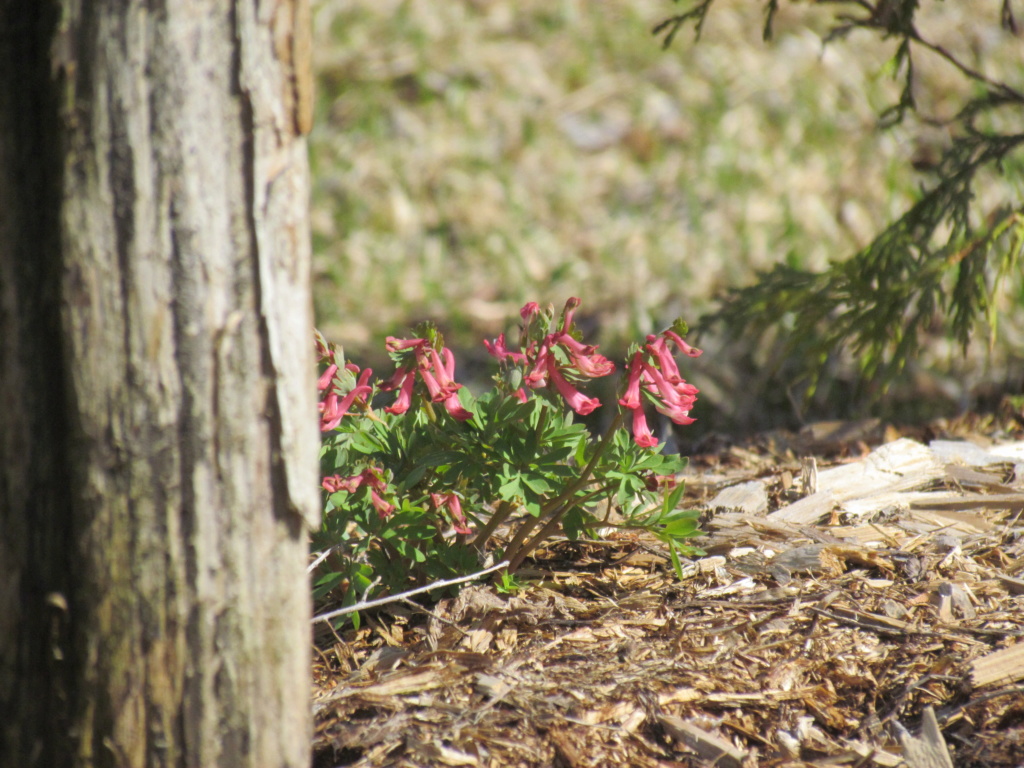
pixel 325 378
pixel 384 509
pixel 685 348
pixel 371 477
pixel 571 305
pixel 440 372
pixel 642 434
pixel 529 311
pixel 404 380
pixel 336 483
pixel 451 501
pixel 452 403
pixel 653 369
pixel 437 371
pixel 397 345
pixel 333 410
pixel 543 352
pixel 631 397
pixel 576 400
pixel 585 358
pixel 498 349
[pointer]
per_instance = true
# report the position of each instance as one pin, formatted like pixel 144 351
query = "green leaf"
pixel 511 489
pixel 674 554
pixel 537 484
pixel 581 454
pixel 367 444
pixel 672 498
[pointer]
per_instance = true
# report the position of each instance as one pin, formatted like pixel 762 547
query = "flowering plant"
pixel 437 481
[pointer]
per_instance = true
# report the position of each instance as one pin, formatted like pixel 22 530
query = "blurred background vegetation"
pixel 472 155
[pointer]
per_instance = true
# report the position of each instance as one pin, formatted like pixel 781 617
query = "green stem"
pixel 429 408
pixel 516 558
pixel 516 551
pixel 588 470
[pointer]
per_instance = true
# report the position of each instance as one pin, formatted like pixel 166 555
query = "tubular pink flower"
pixel 453 405
pixel 538 376
pixel 642 434
pixel 577 348
pixel 631 397
pixel 593 366
pixel 451 501
pixel 442 388
pixel 656 379
pixel 405 379
pixel 659 349
pixel 397 379
pixel 335 483
pixel 397 345
pixel 675 398
pixel 442 372
pixel 384 509
pixel 334 410
pixel 499 349
pixel 677 416
pixel 329 411
pixel 685 348
pixel 370 477
pixel 576 399
pixel 569 312
pixel 449 365
pixel 529 311
pixel 326 377
pixel 436 391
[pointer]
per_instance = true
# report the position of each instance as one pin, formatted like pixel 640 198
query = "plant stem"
pixel 501 514
pixel 516 559
pixel 517 551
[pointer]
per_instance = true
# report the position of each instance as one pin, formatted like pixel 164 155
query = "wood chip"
pixel 901 465
pixel 711 748
pixel 929 750
pixel 999 667
pixel 1013 585
pixel 750 497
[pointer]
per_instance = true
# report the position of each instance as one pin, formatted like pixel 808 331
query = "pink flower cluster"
pixel 371 477
pixel 554 358
pixel 436 369
pixel 334 407
pixel 653 370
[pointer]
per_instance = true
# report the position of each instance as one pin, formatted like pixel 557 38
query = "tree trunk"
pixel 158 436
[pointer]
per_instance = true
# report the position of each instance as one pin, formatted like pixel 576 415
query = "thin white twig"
pixel 322 556
pixel 403 595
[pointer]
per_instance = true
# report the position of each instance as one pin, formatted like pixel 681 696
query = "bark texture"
pixel 35 517
pixel 183 375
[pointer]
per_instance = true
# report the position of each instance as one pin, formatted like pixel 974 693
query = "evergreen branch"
pixel 880 302
pixel 939 265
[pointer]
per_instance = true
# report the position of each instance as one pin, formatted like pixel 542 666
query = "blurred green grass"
pixel 471 155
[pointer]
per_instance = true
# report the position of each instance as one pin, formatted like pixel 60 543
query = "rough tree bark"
pixel 158 434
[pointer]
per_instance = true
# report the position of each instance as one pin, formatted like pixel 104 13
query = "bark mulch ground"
pixel 861 604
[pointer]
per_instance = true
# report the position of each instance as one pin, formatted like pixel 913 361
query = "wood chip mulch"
pixel 861 603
